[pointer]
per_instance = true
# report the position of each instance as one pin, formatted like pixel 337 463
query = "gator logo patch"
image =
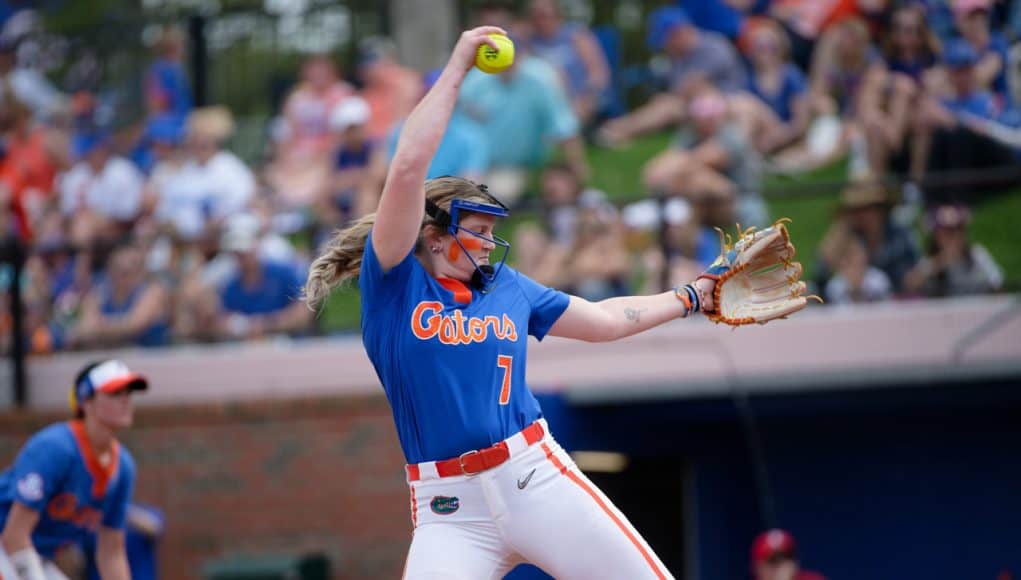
pixel 444 506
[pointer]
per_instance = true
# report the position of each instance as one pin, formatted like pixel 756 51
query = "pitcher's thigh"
pixel 458 551
pixel 575 532
pixel 51 572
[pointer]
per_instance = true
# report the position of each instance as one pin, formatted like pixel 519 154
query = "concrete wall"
pixel 818 349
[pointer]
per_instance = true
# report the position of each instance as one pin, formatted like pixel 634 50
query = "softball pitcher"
pixel 445 328
pixel 72 479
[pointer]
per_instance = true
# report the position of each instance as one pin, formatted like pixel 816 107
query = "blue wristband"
pixel 693 295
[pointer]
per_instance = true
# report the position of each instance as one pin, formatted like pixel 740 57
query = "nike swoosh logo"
pixel 524 482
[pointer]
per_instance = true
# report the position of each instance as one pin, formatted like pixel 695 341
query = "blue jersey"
pixel 452 359
pixel 59 475
pixel 793 84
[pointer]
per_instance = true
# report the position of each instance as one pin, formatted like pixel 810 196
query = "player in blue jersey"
pixel 446 329
pixel 72 479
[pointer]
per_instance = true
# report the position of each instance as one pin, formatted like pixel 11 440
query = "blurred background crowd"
pixel 156 215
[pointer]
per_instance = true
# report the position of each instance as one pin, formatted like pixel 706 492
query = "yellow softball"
pixel 490 60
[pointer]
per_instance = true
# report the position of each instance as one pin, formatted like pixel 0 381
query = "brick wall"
pixel 320 474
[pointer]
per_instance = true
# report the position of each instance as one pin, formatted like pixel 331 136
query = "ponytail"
pixel 340 261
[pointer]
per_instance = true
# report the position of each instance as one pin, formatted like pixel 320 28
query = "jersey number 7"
pixel 504 362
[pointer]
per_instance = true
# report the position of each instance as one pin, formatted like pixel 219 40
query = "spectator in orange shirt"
pixel 29 165
pixel 28 149
pixel 390 89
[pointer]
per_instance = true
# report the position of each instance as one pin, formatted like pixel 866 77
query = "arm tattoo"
pixel 634 314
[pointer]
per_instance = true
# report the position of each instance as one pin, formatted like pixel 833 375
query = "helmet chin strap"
pixel 482 272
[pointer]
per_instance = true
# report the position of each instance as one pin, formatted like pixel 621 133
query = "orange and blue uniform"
pixel 489 487
pixel 451 357
pixel 59 475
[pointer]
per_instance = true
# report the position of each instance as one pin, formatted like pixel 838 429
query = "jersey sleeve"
pixel 40 470
pixel 116 509
pixel 547 305
pixel 379 289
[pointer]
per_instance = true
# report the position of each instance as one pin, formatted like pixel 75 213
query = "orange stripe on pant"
pixel 414 508
pixel 599 501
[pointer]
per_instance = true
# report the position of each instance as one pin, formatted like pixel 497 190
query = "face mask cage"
pixel 450 222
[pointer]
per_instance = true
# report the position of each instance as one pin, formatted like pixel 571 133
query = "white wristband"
pixel 27 564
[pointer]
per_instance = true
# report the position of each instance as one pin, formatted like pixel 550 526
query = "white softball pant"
pixel 50 569
pixel 537 507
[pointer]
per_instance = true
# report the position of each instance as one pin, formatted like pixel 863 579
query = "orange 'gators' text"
pixel 427 323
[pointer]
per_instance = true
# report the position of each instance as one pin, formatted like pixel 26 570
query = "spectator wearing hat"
pixel 351 159
pixel 211 185
pixel 262 297
pixel 124 309
pixel 694 56
pixel 953 265
pixel 690 51
pixel 957 131
pixel 864 215
pixel 972 20
pixel 961 60
pixel 101 195
pixel 572 49
pixel 774 557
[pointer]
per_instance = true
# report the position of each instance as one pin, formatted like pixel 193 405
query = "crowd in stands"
pixel 158 233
